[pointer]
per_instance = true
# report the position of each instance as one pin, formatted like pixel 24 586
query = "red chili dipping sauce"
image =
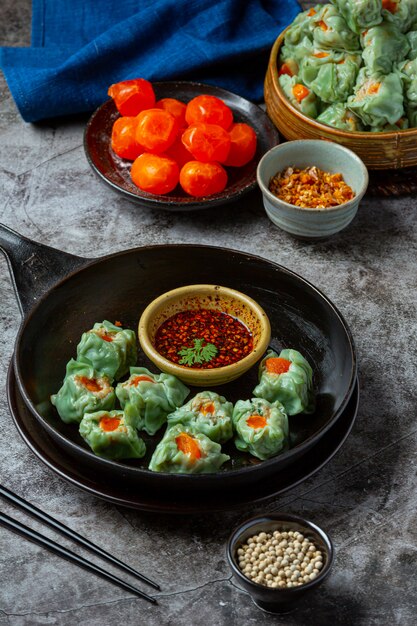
pixel 203 339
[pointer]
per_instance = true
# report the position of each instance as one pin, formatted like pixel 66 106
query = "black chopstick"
pixel 50 521
pixel 45 542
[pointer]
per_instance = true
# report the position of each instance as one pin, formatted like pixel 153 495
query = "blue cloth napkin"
pixel 80 47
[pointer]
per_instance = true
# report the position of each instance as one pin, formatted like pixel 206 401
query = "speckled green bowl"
pixel 327 156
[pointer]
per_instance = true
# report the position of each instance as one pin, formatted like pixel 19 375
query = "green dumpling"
pixel 332 31
pixel 402 124
pixel 402 13
pixel 302 26
pixel 339 116
pixel 321 56
pixel 360 14
pixel 183 451
pixel 84 390
pixel 110 434
pixel 296 52
pixel 383 46
pixel 261 427
pixel 412 40
pixel 150 397
pixel 306 101
pixel 110 349
pixel 289 381
pixel 378 98
pixel 332 76
pixel 206 413
pixel 412 116
pixel 408 74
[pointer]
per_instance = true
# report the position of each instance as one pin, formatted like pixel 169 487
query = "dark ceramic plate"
pixel 126 493
pixel 116 171
pixel 120 286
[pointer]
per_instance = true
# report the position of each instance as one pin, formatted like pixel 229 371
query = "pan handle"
pixel 34 267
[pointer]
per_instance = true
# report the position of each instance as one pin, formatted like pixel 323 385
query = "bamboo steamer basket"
pixel 379 151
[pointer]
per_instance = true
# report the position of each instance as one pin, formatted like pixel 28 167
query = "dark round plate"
pixel 116 171
pixel 120 286
pixel 125 493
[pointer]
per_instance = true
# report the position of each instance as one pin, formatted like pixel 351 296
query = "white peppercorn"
pixel 280 559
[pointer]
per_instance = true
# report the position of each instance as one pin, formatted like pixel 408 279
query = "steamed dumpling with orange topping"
pixel 339 116
pixel 403 13
pixel 300 96
pixel 83 390
pixel 331 75
pixel 302 26
pixel 261 427
pixel 332 31
pixel 360 14
pixel 383 46
pixel 110 349
pixel 183 451
pixel 151 397
pixel 378 98
pixel 111 434
pixel 207 413
pixel 286 378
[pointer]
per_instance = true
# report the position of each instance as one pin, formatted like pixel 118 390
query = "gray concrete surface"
pixel 365 497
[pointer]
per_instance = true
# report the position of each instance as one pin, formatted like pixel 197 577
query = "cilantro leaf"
pixel 208 352
pixel 199 353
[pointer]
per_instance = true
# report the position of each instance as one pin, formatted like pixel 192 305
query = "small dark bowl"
pixel 279 600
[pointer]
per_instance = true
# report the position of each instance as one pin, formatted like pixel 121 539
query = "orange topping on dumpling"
pixel 390 6
pixel 207 407
pixel 285 70
pixel 374 88
pixel 277 365
pixel 108 423
pixel 138 379
pixel 188 445
pixel 89 383
pixel 256 421
pixel 300 92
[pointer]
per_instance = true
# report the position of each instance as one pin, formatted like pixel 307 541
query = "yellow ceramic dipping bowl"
pixel 213 297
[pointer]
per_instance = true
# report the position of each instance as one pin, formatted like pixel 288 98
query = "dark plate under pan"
pixel 126 493
pixel 115 171
pixel 120 286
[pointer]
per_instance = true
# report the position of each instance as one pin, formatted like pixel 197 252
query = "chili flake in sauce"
pixel 233 341
pixel 310 188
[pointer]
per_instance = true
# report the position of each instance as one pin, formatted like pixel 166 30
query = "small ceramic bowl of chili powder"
pixel 205 335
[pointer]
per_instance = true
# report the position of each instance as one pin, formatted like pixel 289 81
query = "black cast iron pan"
pixel 62 295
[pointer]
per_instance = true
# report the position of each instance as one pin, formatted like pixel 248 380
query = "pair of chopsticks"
pixel 32 535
